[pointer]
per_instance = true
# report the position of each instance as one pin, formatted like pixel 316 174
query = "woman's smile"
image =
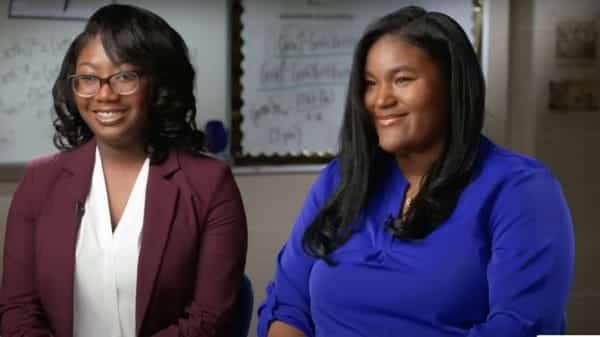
pixel 389 119
pixel 109 117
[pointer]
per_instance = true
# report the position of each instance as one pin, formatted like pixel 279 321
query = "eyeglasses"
pixel 122 83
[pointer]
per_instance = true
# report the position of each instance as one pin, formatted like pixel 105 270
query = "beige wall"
pixel 272 203
pixel 567 142
pixel 6 191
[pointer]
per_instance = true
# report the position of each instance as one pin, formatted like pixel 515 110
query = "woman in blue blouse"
pixel 422 226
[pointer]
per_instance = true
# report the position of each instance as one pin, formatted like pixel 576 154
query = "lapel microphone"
pixel 389 221
pixel 79 208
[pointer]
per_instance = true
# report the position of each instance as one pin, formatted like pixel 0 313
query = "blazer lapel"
pixel 161 200
pixel 66 212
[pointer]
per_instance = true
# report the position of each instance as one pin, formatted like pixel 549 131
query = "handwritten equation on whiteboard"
pixel 28 69
pixel 297 57
pixel 58 9
pixel 294 81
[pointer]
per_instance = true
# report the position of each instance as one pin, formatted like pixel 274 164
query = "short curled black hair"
pixel 134 35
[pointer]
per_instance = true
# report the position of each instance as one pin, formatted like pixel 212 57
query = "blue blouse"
pixel 501 265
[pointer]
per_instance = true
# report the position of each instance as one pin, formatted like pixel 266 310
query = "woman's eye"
pixel 87 78
pixel 127 76
pixel 403 79
pixel 369 83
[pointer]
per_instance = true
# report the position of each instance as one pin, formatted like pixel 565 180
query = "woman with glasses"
pixel 130 230
pixel 422 227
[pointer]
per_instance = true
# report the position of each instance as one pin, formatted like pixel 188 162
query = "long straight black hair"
pixel 360 157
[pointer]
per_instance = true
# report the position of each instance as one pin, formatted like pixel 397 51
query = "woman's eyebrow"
pixel 88 64
pixel 397 69
pixel 402 68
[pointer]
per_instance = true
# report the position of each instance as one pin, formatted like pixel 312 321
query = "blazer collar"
pixel 161 201
pixel 68 210
pixel 162 196
pixel 81 161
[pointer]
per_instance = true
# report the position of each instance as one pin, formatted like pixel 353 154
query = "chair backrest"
pixel 245 305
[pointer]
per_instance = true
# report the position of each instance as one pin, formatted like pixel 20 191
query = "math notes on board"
pixel 297 57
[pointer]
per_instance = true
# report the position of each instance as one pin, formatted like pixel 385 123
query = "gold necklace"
pixel 408 201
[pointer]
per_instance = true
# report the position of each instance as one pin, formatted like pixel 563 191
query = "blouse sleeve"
pixel 287 295
pixel 531 267
pixel 21 312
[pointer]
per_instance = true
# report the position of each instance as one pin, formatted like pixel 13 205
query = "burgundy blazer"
pixel 192 255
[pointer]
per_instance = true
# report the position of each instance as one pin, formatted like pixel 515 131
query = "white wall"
pixel 494 61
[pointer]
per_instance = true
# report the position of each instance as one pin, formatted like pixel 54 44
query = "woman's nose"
pixel 385 97
pixel 106 92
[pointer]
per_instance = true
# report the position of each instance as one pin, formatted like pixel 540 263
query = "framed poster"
pixel 576 42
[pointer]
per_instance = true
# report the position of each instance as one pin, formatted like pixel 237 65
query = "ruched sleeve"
pixel 531 267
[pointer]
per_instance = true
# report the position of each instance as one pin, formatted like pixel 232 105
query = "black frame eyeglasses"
pixel 122 83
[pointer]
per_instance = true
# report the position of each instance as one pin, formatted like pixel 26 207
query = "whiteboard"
pixel 297 57
pixel 31 52
pixel 29 64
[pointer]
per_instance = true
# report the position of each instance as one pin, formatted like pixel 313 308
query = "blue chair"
pixel 245 305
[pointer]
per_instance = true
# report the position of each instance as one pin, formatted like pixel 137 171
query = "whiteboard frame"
pixel 237 153
pixel 46 15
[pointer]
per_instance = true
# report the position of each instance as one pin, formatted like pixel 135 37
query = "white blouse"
pixel 106 261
